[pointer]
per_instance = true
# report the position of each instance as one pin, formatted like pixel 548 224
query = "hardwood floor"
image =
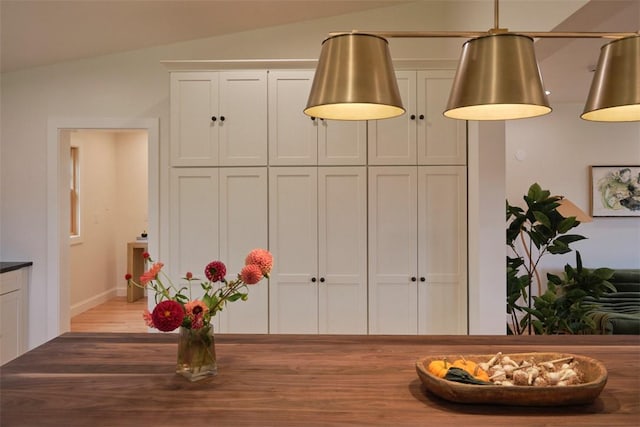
pixel 116 315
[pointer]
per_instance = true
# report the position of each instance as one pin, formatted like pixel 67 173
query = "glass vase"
pixel 196 353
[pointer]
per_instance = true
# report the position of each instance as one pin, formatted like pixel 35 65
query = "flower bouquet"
pixel 175 308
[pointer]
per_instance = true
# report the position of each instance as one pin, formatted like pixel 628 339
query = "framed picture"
pixel 615 191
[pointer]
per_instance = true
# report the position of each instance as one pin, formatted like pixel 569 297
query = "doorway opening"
pixel 61 134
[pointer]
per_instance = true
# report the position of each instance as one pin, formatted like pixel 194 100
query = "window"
pixel 74 229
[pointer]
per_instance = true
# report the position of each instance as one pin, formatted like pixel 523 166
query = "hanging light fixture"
pixel 497 77
pixel 354 80
pixel 615 89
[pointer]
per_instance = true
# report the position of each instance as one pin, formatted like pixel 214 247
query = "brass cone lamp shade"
pixel 354 80
pixel 497 79
pixel 615 89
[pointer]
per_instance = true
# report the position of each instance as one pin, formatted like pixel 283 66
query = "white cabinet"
pixel 417 250
pixel 221 214
pixel 218 118
pixel 317 235
pixel 296 139
pixel 13 314
pixel 423 135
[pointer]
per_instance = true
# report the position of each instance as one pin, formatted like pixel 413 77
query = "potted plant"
pixel 533 233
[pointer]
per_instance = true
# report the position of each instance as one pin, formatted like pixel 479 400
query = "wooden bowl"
pixel 594 379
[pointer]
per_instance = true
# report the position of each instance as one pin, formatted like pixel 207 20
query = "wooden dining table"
pixel 128 379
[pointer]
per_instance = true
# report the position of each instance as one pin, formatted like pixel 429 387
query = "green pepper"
pixel 461 376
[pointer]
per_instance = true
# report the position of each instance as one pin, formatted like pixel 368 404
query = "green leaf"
pixel 542 219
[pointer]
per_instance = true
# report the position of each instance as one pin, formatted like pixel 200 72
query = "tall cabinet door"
pixel 393 305
pixel 293 235
pixel 342 250
pixel 242 121
pixel 243 227
pixel 442 249
pixel 441 140
pixel 194 220
pixel 194 135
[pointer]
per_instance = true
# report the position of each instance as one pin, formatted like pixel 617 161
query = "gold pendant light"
pixel 497 79
pixel 615 89
pixel 354 80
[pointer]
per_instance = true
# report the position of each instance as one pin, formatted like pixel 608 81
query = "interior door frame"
pixel 58 286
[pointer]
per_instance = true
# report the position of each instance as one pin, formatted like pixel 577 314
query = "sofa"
pixel 618 313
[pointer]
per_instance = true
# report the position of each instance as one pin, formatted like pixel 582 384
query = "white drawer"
pixel 9 281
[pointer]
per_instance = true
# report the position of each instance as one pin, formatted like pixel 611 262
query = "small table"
pixel 128 379
pixel 135 267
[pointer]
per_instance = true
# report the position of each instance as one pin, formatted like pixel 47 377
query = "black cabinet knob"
pixel 214 118
pixel 412 117
pixel 313 279
pixel 322 280
pixel 413 279
pixel 313 119
pixel 222 118
pixel 421 117
pixel 422 279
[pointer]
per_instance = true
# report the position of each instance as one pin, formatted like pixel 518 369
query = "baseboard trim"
pixel 89 303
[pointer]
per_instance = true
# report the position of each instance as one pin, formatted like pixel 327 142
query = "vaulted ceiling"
pixel 42 32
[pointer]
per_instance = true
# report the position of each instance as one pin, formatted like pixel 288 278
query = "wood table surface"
pixel 126 379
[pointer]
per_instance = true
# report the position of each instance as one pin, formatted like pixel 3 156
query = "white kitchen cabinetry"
pixel 221 214
pixel 423 135
pixel 297 139
pixel 219 118
pixel 13 314
pixel 317 235
pixel 417 250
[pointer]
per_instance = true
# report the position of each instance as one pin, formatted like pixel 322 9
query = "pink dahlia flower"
pixel 148 320
pixel 262 258
pixel 151 274
pixel 215 271
pixel 251 274
pixel 167 315
pixel 195 311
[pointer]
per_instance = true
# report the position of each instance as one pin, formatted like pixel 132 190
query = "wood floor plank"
pixel 115 315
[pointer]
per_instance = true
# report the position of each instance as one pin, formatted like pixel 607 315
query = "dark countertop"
pixel 10 266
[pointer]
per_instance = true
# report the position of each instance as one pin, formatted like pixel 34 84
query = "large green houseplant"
pixel 532 233
pixel 565 306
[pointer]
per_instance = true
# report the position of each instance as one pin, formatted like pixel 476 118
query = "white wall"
pixel 136 85
pixel 113 190
pixel 557 151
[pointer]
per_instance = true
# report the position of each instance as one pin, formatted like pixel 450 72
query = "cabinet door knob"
pixel 222 118
pixel 313 119
pixel 421 117
pixel 322 280
pixel 412 117
pixel 413 279
pixel 422 279
pixel 313 279
pixel 214 118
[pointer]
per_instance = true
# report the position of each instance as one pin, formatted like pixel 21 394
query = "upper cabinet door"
pixel 293 136
pixel 300 140
pixel 393 141
pixel 219 118
pixel 242 124
pixel 342 142
pixel 441 140
pixel 194 131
